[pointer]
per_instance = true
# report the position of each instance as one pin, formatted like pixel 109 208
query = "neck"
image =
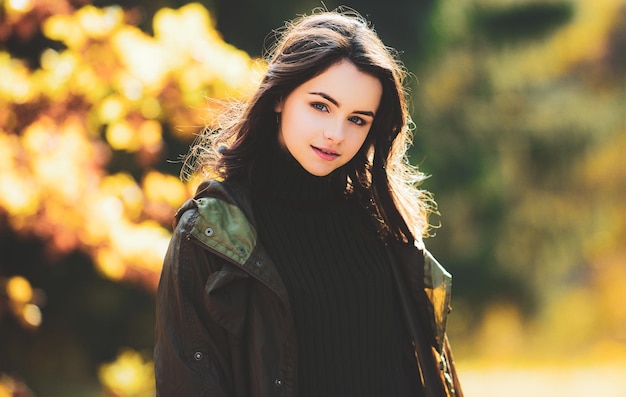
pixel 278 176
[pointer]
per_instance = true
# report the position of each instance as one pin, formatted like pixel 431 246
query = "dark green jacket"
pixel 224 323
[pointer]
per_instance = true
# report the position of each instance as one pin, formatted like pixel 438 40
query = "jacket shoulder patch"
pixel 224 228
pixel 438 285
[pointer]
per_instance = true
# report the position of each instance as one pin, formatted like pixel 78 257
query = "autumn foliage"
pixel 105 90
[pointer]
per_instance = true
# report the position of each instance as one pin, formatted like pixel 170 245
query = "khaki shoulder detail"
pixel 438 287
pixel 223 227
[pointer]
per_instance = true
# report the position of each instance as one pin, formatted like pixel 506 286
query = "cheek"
pixel 361 140
pixel 355 145
pixel 291 133
pixel 298 125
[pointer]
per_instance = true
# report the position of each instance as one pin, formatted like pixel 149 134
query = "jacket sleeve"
pixel 191 353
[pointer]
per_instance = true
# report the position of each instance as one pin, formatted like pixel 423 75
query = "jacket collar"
pixel 225 225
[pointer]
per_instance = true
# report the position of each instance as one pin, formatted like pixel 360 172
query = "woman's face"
pixel 325 121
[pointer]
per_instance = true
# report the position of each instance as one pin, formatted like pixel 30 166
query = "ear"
pixel 278 107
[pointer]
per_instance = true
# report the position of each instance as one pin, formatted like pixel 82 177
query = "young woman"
pixel 298 270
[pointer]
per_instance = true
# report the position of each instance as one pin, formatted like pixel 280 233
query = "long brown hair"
pixel 379 176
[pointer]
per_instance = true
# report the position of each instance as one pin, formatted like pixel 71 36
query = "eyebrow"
pixel 334 102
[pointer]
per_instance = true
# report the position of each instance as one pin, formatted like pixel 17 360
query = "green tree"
pixel 518 105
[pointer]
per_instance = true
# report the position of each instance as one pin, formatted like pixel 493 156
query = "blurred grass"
pixel 542 380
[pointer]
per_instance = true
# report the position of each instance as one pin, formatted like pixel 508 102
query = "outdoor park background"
pixel 520 119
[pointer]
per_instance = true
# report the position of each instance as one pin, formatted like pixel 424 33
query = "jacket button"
pixel 208 231
pixel 259 263
pixel 278 382
pixel 197 356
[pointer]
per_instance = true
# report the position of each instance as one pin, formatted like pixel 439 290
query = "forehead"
pixel 347 85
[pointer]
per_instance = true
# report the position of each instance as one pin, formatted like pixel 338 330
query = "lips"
pixel 325 153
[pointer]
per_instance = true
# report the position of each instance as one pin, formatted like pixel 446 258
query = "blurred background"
pixel 519 108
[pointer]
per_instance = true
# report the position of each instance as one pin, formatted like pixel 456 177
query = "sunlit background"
pixel 520 117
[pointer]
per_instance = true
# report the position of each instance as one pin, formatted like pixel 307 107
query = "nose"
pixel 334 132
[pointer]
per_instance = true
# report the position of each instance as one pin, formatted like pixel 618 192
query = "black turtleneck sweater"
pixel 351 338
